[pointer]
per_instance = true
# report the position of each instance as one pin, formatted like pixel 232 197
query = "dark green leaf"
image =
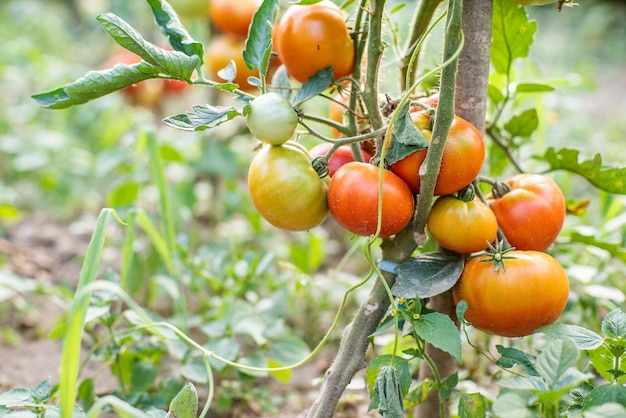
pixel 173 63
pixel 447 386
pixel 614 324
pixel 610 179
pixel 185 403
pixel 523 124
pixel 202 117
pixel 176 33
pixel 405 137
pixel 259 42
pixel 96 84
pixel 583 338
pixel 533 88
pixel 472 405
pixel 440 331
pixel 605 394
pixel 512 356
pixel 87 393
pixel 316 85
pixel 427 275
pixel 512 34
pixel 556 359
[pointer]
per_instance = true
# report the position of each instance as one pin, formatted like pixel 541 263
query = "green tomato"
pixel 285 188
pixel 272 119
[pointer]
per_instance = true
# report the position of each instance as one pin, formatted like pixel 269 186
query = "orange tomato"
pixel 224 48
pixel 233 16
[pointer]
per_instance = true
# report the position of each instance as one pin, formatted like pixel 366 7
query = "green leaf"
pixel 185 403
pixel 259 42
pixel 426 275
pixel 280 82
pixel 123 195
pixel 555 359
pixel 610 179
pixel 203 117
pixel 523 124
pixel 609 393
pixel 288 349
pixel 143 375
pixel 513 405
pixel 472 405
pixel 603 361
pixel 530 383
pixel 314 86
pixel 176 33
pixel 512 34
pixel 495 94
pixel 41 393
pixel 440 331
pixel 583 338
pixel 387 394
pixel 614 324
pixel 401 365
pixel 419 393
pixel 448 385
pixel 607 410
pixel 174 63
pixel 16 397
pixel 405 137
pixel 226 347
pixel 615 249
pixel 533 88
pixel 461 308
pixel 512 356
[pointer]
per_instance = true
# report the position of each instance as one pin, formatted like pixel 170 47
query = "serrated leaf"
pixel 202 117
pixel 555 360
pixel 259 42
pixel 583 338
pixel 512 356
pixel 405 137
pixel 427 275
pixel 185 403
pixel 522 124
pixel 614 324
pixel 171 26
pixel 314 86
pixel 440 331
pixel 512 34
pixel 472 405
pixel 533 88
pixel 173 63
pixel 448 384
pixel 610 179
pixel 96 84
pixel 609 393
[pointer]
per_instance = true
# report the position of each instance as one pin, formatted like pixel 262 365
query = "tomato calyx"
pixel 497 254
pixel 499 189
pixel 467 194
pixel 321 167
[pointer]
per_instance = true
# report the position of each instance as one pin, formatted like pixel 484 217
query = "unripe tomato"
pixel 233 16
pixel 224 48
pixel 341 156
pixel 272 119
pixel 312 37
pixel 462 159
pixel 353 200
pixel 463 227
pixel 285 188
pixel 190 8
pixel 530 291
pixel 531 215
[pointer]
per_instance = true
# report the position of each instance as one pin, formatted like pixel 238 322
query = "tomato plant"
pixel 285 188
pixel 460 225
pixel 224 48
pixel 528 291
pixel 233 17
pixel 532 213
pixel 340 157
pixel 462 159
pixel 312 37
pixel 353 200
pixel 272 118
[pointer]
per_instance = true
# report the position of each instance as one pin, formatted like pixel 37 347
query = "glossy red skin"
pixel 462 159
pixel 353 200
pixel 531 215
pixel 340 157
pixel 531 292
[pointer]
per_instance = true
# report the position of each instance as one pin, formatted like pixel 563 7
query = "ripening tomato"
pixel 462 159
pixel 528 292
pixel 272 118
pixel 430 101
pixel 285 188
pixel 531 215
pixel 224 48
pixel 461 226
pixel 312 37
pixel 230 16
pixel 341 156
pixel 353 200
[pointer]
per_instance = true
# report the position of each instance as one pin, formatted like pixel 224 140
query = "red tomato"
pixel 233 16
pixel 341 156
pixel 531 215
pixel 463 227
pixel 462 160
pixel 312 37
pixel 353 200
pixel 530 291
